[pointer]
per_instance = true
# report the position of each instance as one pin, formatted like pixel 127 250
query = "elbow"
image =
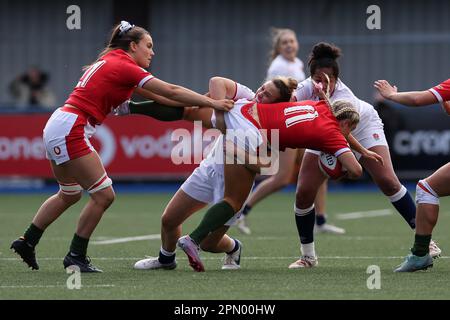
pixel 215 82
pixel 355 172
pixel 172 92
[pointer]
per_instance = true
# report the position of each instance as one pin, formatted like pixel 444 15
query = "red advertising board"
pixel 130 147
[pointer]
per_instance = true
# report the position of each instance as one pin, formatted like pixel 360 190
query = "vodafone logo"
pixel 57 150
pixel 21 148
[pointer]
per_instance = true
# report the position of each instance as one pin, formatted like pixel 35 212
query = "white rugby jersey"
pixel 366 111
pixel 283 67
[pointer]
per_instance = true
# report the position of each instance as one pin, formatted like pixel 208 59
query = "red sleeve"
pixel 335 143
pixel 442 91
pixel 135 76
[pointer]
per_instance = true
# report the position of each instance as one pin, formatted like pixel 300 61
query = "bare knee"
pixel 304 197
pixel 69 199
pixel 104 198
pixel 168 222
pixel 389 185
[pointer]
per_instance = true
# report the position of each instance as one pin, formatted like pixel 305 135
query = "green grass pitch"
pixel 341 274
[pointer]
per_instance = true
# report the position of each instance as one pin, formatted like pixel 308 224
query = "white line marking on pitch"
pixel 128 239
pixel 219 257
pixel 55 286
pixel 364 214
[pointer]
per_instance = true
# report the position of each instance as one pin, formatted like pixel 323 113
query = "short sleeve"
pixel 442 91
pixel 135 76
pixel 243 92
pixel 304 90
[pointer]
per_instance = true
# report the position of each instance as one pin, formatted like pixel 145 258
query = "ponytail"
pixel 122 34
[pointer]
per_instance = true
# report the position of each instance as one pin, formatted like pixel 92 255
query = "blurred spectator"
pixel 30 90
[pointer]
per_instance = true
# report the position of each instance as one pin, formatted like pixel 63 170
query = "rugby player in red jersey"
pixel 430 189
pixel 105 84
pixel 303 124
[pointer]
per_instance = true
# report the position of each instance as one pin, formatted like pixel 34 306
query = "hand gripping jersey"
pixel 302 124
pixel 442 91
pixel 107 83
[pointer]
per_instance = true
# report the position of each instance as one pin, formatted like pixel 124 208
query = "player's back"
pixel 302 124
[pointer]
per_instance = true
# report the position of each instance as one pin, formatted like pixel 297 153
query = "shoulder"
pixel 299 62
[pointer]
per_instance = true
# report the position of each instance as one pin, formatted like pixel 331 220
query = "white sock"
pixel 308 249
pixel 166 253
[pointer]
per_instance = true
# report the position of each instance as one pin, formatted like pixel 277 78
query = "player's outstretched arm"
pixel 185 96
pixel 349 162
pixel 411 98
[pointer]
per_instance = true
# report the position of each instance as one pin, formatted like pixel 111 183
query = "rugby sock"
pixel 320 220
pixel 165 256
pixel 308 249
pixel 33 235
pixel 305 218
pixel 421 245
pixel 403 202
pixel 215 217
pixel 79 245
pixel 236 247
pixel 156 110
pixel 246 210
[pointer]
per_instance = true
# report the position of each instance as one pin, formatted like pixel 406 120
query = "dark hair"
pixel 286 86
pixel 324 55
pixel 122 39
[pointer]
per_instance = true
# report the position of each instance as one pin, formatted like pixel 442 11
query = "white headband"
pixel 125 26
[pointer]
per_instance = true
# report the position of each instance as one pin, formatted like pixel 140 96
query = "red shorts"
pixel 66 135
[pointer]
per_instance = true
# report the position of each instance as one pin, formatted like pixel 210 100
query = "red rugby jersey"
pixel 442 91
pixel 107 83
pixel 304 124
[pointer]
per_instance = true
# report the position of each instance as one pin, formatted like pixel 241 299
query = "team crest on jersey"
pixel 57 150
pixel 376 136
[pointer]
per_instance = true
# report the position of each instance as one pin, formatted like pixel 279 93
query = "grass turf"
pixel 341 274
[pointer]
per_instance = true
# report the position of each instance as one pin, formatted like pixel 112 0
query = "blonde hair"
pixel 341 109
pixel 277 34
pixel 285 86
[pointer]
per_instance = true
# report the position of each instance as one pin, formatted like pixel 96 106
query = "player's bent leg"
pixel 89 172
pixel 50 210
pixel 179 208
pixel 386 179
pixel 218 242
pixel 309 181
pixel 304 219
pixel 427 214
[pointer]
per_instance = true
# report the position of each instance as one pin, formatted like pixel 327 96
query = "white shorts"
pixel 207 184
pixel 371 135
pixel 66 135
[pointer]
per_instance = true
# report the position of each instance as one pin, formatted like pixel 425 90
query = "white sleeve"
pixel 243 92
pixel 304 90
pixel 275 70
